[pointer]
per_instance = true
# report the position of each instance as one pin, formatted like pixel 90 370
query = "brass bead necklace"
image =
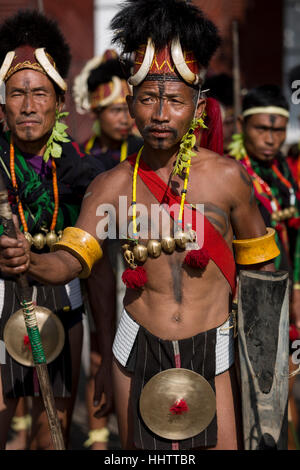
pixel 139 252
pixel 39 240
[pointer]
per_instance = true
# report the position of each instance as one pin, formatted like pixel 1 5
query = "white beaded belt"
pixel 128 329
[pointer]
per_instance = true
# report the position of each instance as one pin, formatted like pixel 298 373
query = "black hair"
pixel 107 70
pixel 221 88
pixel 164 20
pixel 265 95
pixel 29 27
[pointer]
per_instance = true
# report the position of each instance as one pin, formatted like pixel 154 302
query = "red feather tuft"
pixel 212 138
pixel 134 278
pixel 179 407
pixel 294 333
pixel 197 258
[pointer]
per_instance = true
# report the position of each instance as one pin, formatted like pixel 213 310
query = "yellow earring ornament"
pixel 237 147
pixel 188 142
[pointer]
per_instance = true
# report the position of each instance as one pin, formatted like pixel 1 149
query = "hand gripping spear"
pixel 30 319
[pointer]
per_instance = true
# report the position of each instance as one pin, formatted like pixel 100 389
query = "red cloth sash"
pixel 214 243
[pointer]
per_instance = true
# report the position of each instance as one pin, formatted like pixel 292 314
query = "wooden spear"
pixel 236 72
pixel 38 354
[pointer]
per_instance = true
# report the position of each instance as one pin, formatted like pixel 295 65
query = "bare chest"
pixel 153 219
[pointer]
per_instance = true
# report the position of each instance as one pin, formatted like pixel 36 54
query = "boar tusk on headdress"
pixel 181 65
pixel 49 69
pixel 117 89
pixel 141 74
pixel 80 86
pixel 6 64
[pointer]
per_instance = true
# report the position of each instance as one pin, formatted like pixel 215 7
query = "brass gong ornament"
pixel 177 404
pixel 51 331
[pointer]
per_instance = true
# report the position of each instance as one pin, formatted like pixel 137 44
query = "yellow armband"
pixel 81 245
pixel 256 250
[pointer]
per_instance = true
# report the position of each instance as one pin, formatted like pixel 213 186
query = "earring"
pixel 97 128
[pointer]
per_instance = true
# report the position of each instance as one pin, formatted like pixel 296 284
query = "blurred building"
pixel 76 20
pixel 269 38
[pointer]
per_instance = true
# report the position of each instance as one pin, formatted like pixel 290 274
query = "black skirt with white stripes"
pixel 152 355
pixel 18 380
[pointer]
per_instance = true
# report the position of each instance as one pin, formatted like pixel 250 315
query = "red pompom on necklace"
pixel 198 259
pixel 134 278
pixel 294 222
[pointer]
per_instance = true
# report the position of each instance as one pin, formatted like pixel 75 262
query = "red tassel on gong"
pixel 179 407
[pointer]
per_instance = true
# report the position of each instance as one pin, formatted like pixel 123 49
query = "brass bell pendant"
pixel 59 235
pixel 51 238
pixel 140 253
pixel 168 245
pixel 154 248
pixel 128 255
pixel 280 215
pixel 181 239
pixel 275 217
pixel 191 234
pixel 28 237
pixel 285 214
pixel 39 241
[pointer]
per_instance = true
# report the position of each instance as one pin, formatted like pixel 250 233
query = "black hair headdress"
pixel 162 21
pixel 107 70
pixel 264 96
pixel 29 27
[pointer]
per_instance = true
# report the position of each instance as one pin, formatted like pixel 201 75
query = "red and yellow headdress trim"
pixel 26 57
pixel 170 61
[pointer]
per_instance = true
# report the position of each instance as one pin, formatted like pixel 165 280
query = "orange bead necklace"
pixel 50 237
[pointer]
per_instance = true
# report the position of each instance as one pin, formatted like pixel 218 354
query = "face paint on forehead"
pixel 273 119
pixel 161 88
pixel 26 84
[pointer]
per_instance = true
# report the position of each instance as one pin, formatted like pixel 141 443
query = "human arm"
pixel 101 288
pixel 59 267
pixel 246 218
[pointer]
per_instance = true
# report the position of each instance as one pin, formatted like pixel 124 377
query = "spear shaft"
pixel 236 72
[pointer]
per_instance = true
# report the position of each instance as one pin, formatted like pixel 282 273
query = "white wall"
pixel 104 12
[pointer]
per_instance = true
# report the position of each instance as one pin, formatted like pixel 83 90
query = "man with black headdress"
pixel 174 380
pixel 101 88
pixel 46 176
